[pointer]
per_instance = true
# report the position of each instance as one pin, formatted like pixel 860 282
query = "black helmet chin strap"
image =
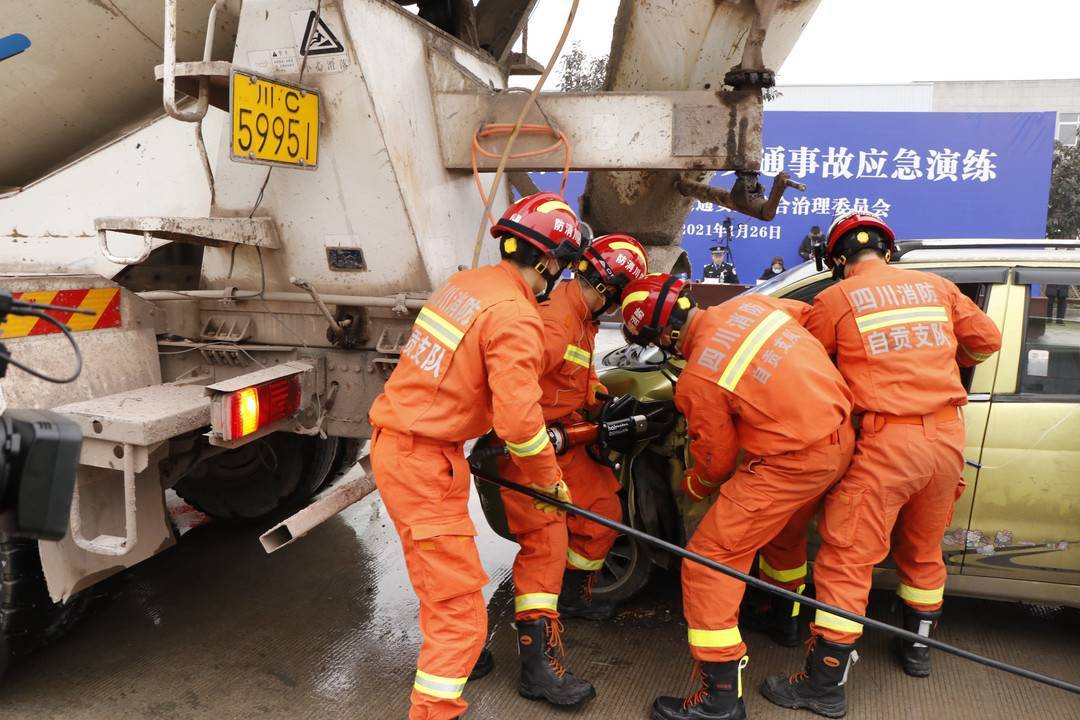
pixel 612 301
pixel 654 328
pixel 543 266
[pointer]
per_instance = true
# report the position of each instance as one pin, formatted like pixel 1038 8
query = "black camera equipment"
pixel 39 450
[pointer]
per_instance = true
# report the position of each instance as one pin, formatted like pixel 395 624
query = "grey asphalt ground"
pixel 326 628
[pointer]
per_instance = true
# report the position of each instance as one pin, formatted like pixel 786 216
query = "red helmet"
pixel 652 303
pixel 854 232
pixel 546 222
pixel 611 262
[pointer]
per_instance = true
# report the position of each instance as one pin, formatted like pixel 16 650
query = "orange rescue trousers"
pixel 425 487
pixel 783 561
pixel 551 542
pixel 753 506
pixel 903 484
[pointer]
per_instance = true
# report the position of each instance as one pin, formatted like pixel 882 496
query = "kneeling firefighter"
pixel 553 572
pixel 897 336
pixel 471 363
pixel 745 361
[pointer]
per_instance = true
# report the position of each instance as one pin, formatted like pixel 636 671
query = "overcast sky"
pixel 871 41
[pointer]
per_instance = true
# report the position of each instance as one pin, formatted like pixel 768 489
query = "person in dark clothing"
pixel 720 267
pixel 809 242
pixel 1057 295
pixel 775 268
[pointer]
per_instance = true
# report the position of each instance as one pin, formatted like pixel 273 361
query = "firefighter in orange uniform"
pixel 569 384
pixel 745 361
pixel 472 362
pixel 898 336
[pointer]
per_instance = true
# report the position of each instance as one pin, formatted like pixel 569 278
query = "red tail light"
pixel 253 408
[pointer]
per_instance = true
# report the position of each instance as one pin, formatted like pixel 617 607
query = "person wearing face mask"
pixel 745 360
pixel 471 363
pixel 775 268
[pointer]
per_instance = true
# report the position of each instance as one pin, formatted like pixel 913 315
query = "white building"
pixel 1059 96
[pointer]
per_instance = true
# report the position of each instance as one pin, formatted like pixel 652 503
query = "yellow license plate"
pixel 274 122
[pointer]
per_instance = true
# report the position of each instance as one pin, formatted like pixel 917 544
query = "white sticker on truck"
pixel 270 62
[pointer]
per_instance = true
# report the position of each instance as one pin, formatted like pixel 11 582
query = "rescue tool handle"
pixel 786 594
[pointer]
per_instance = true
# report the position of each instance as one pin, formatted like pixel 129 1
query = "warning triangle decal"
pixel 320 40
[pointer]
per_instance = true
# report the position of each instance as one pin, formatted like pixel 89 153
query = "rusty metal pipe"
pixel 743 198
pixel 322 509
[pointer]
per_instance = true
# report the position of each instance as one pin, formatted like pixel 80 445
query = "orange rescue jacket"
pixel 473 363
pixel 569 381
pixel 898 336
pixel 755 379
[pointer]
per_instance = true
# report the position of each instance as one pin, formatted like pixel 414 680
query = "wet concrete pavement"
pixel 326 628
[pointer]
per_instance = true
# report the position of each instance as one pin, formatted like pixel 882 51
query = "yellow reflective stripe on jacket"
pixel 581 562
pixel 901 316
pixel 728 637
pixel 532 446
pixel 783 576
pixel 578 356
pixel 976 356
pixel 438 686
pixel 444 331
pixel 919 596
pixel 835 622
pixel 536 601
pixel 750 346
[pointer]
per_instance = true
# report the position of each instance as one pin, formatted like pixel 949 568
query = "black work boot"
pixel 778 618
pixel 484 665
pixel 576 598
pixel 820 687
pixel 543 676
pixel 720 696
pixel 915 657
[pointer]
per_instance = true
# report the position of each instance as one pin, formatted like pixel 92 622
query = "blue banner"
pixel 930 175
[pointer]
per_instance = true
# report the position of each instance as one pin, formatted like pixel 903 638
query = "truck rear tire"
pixel 278 471
pixel 29 618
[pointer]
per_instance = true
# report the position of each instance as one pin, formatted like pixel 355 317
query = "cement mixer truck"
pixel 253 198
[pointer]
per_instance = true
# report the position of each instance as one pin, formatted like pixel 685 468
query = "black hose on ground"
pixel 787 594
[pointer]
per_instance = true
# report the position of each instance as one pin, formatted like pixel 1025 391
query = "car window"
pixel 1050 357
pixel 807 293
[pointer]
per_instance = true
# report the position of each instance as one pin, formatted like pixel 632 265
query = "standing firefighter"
pixel 472 362
pixel 897 336
pixel 569 384
pixel 745 361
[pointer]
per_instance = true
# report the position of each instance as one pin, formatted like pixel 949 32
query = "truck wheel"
pixel 281 470
pixel 29 618
pixel 626 572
